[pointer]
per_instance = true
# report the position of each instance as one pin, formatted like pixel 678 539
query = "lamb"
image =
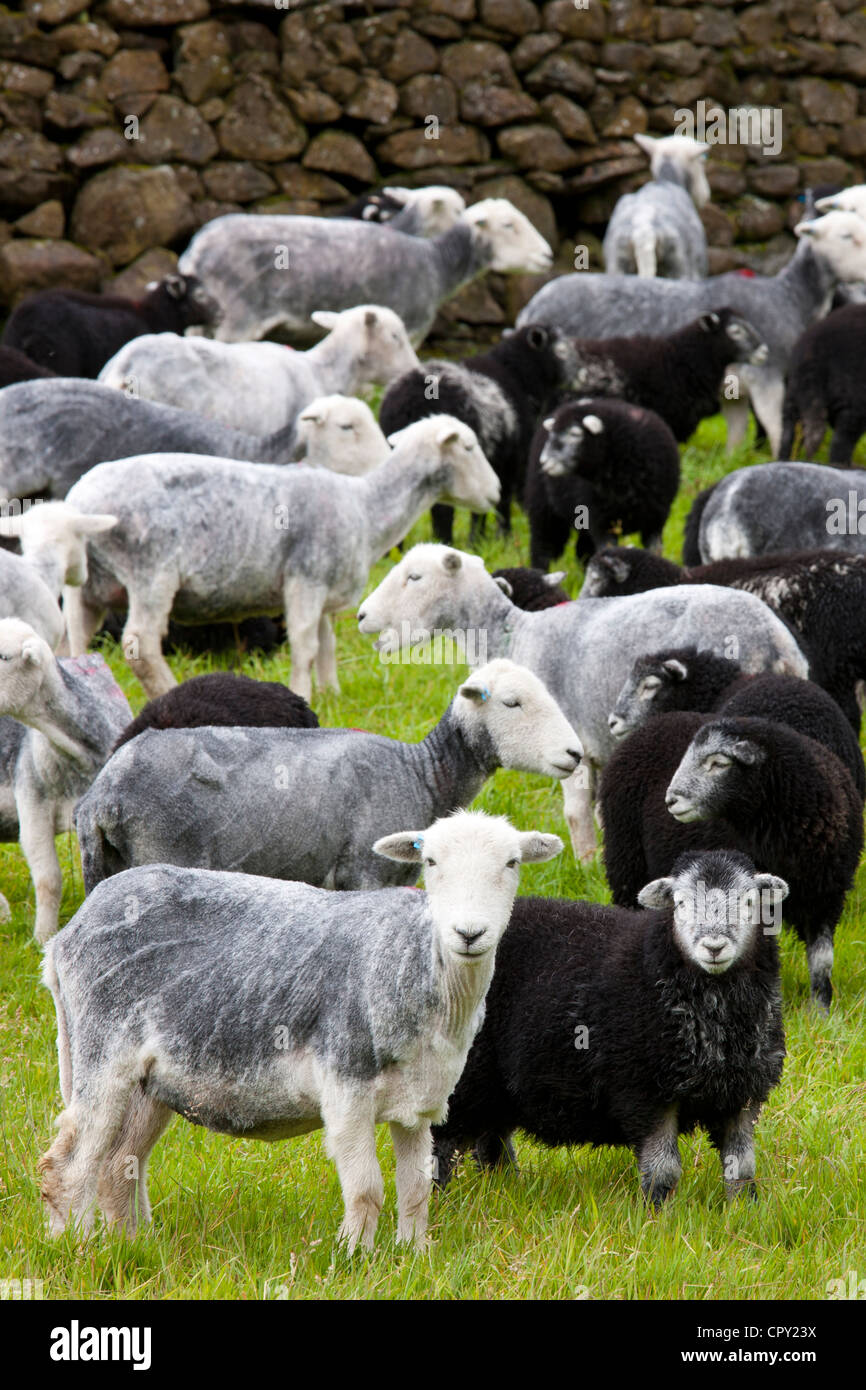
pixel 609 1026
pixel 581 651
pixel 844 200
pixel 25 595
pixel 299 803
pixel 348 1011
pixel 340 433
pixel 780 307
pixel 531 588
pixel 598 469
pixel 657 230
pixel 825 386
pixel 271 271
pixel 419 211
pixel 687 679
pixel 58 721
pixel 53 544
pixel 222 698
pixel 227 540
pixel 74 334
pixel 500 394
pixel 821 595
pixel 683 783
pixel 16 366
pixel 680 376
pixel 259 388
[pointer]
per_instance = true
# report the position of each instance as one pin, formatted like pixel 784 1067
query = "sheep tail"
pixel 644 244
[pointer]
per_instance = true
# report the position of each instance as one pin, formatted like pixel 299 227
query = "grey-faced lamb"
pixel 657 230
pixel 74 334
pixel 222 698
pixel 58 722
pixel 259 388
pixel 607 1026
pixel 348 1010
pixel 300 803
pixel 581 651
pixel 207 539
pixel 271 271
pixel 825 386
pixel 598 469
pixel 532 588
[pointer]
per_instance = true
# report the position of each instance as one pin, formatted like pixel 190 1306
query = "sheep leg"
pixel 495 1151
pixel 736 417
pixel 36 821
pixel 350 1140
pixel 146 625
pixel 415 1168
pixel 122 1190
pixel 850 425
pixel 736 1146
pixel 326 659
pixel 72 1166
pixel 767 389
pixel 442 518
pixel 304 605
pixel 819 954
pixel 658 1160
pixel 83 620
pixel 577 799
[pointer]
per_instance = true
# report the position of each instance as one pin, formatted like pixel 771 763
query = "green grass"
pixel 239 1219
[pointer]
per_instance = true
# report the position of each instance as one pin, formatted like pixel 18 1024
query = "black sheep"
pixel 597 468
pixel 224 699
pixel 74 334
pixel 250 634
pixel 684 783
pixel 17 366
pixel 607 1026
pixel 826 385
pixel 500 394
pixel 533 589
pixel 679 376
pixel 820 594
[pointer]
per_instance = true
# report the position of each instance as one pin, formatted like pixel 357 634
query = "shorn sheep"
pixel 657 230
pixel 608 1026
pixel 74 334
pixel 58 722
pixel 265 1010
pixel 300 803
pixel 262 387
pixel 271 271
pixel 582 651
pixel 227 540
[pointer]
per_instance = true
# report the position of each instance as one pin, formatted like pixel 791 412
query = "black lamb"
pixel 533 589
pixel 74 334
pixel 609 1026
pixel 826 385
pixel 17 366
pixel 222 698
pixel 597 469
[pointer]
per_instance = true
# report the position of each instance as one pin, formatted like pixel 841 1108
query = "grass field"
pixel 239 1219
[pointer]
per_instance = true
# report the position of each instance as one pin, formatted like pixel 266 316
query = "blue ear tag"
pixel 485 693
pixel 417 844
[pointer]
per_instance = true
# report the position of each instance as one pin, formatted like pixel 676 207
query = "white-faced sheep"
pixel 340 433
pixel 606 1026
pixel 657 230
pixel 266 1009
pixel 300 803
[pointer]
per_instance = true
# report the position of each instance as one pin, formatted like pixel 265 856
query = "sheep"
pixel 266 1009
pixel 262 387
pixel 821 595
pixel 58 722
pixel 16 366
pixel 683 783
pixel 687 679
pixel 25 595
pixel 419 211
pixel 308 798
pixel 74 333
pixel 844 200
pixel 270 271
pixel 825 385
pixel 597 469
pixel 222 698
pixel 582 651
pixel 499 394
pixel 679 376
pixel 780 307
pixel 53 543
pixel 340 433
pixel 606 1026
pixel 657 230
pixel 531 588
pixel 211 538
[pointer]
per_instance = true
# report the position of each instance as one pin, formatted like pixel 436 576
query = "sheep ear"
pixel 150 286
pixel 400 195
pixel 675 668
pixel 325 318
pixel 407 846
pixel 806 228
pixel 659 893
pixel 548 423
pixel 175 286
pixel 556 578
pixel 769 883
pixel 536 848
pixel 31 651
pixel 537 337
pixel 503 585
pixel 618 567
pixel 448 435
pixel 451 561
pixel 476 691
pixel 709 322
pixel 369 213
pixel 645 142
pixel 593 424
pixel 370 318
pixel 747 752
pixel 95 524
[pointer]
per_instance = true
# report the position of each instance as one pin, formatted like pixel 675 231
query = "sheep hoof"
pixel 746 1187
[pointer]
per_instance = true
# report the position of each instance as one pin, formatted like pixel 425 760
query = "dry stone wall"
pixel 126 124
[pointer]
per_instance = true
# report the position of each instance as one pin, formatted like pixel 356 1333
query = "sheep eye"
pixel 431 863
pixel 511 704
pixel 512 864
pixel 345 427
pixel 716 761
pixel 414 576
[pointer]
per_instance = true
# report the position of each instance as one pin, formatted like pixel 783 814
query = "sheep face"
pixel 745 341
pixel 650 689
pixel 471 871
pixel 679 159
pixel 25 658
pixel 840 239
pixel 436 207
pixel 570 444
pixel 846 200
pixel 471 482
pixel 425 590
pixel 717 769
pixel 340 433
pixel 196 305
pixel 720 904
pixel 512 243
pixel 607 574
pixel 374 336
pixel 523 721
pixel 57 530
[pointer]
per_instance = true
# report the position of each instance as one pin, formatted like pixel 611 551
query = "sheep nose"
pixel 469 934
pixel 614 723
pixel 362 613
pixel 716 947
pixel 671 796
pixel 575 753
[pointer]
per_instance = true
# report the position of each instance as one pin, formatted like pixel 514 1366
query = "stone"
pixel 560 72
pixel 678 24
pixel 717 225
pixel 23 41
pixel 411 54
pixel 628 116
pixel 760 24
pixel 429 94
pixel 457 144
pixel 256 61
pixel 206 209
pixel 569 118
pixel 204 77
pixel 605 171
pixel 532 204
pixel 28 150
pixel 45 264
pixel 373 100
pixel 132 282
pixel 517 17
pixel 437 26
pixel 828 170
pixel 127 210
pixel 105 145
pixel 830 102
pixel 246 34
pixel 807 140
pixel 336 152
pixel 465 62
pixel 74 65
pixel 474 304
pixel 47 221
pixel 133 70
pixel 70 112
pixel 195 42
pixel 311 105
pixel 486 104
pixel 757 220
pixel 715 28
pixel 532 49
pixel 536 147
pixel 339 83
pixel 17 109
pixel 239 182
pixel 774 180
pixel 31 82
pixel 146 12
pixel 26 188
pixel 566 18
pixel 306 184
pixel 174 130
pixel 725 179
pixel 257 125
pixel 852 138
pixel 93 37
pixel 680 57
